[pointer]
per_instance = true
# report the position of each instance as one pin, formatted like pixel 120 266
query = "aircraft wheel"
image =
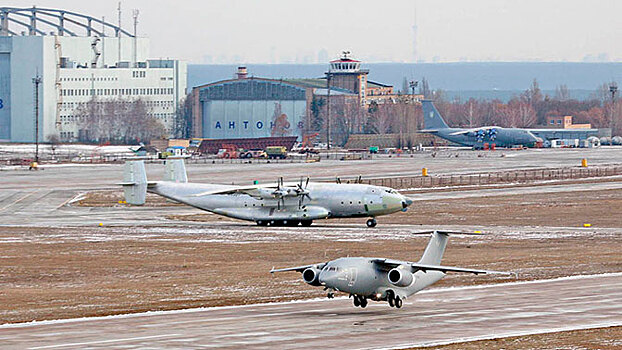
pixel 371 222
pixel 356 301
pixel 330 295
pixel 292 223
pixel 398 302
pixel 390 299
pixel 262 223
pixel 363 302
pixel 306 223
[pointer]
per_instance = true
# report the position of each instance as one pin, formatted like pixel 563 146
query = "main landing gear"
pixel 305 223
pixel 371 222
pixel 360 300
pixel 394 300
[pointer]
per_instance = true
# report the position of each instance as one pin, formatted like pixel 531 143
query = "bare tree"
pixel 117 121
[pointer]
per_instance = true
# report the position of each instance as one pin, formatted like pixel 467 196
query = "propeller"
pixel 278 193
pixel 302 192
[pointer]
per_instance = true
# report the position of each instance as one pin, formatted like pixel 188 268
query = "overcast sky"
pixel 290 31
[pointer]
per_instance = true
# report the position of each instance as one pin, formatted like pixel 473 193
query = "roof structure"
pixel 35 20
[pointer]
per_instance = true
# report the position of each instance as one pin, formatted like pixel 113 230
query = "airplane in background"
pixel 499 136
pixel 381 279
pixel 275 204
pixel 434 123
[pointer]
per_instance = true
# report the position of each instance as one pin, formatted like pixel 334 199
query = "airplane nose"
pixel 325 279
pixel 406 202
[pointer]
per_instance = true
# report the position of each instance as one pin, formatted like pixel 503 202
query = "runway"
pixel 434 316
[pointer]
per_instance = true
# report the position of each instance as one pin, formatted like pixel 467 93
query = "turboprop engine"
pixel 311 276
pixel 400 277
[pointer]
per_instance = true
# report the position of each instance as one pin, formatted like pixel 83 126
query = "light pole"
pixel 36 80
pixel 613 88
pixel 413 84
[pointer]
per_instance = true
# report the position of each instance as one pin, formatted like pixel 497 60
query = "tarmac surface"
pixel 48 206
pixel 434 316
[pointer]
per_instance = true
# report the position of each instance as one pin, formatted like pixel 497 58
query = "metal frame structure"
pixel 45 15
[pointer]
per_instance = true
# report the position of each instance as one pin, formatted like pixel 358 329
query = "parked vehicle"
pixel 253 153
pixel 275 152
pixel 228 151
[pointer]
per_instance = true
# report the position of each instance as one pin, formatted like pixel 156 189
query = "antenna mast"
pixel 135 16
pixel 119 32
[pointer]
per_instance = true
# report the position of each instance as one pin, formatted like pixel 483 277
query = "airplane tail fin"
pixel 432 119
pixel 435 249
pixel 175 170
pixel 135 182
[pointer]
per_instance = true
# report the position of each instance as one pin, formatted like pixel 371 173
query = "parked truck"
pixel 275 152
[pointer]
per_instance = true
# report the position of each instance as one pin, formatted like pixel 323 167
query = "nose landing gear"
pixel 371 222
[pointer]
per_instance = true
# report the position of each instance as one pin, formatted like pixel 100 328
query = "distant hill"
pixel 477 79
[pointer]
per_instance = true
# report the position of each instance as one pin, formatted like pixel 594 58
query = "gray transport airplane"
pixel 279 203
pixel 476 137
pixel 381 279
pixel 495 135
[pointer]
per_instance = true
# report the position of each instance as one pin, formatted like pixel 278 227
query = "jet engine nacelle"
pixel 400 277
pixel 311 276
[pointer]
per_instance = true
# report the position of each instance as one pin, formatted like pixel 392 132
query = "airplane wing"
pixel 299 268
pixel 446 269
pixel 389 263
pixel 466 131
pixel 242 189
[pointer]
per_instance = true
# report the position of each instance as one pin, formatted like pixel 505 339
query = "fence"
pixel 501 177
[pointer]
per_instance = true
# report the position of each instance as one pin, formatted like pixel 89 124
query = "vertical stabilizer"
pixel 175 170
pixel 432 119
pixel 435 249
pixel 135 182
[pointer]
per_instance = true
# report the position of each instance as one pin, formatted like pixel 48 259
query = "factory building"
pixel 77 62
pixel 253 107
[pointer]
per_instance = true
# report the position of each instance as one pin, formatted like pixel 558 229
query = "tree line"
pixel 529 109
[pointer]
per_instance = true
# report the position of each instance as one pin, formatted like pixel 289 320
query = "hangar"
pixel 254 107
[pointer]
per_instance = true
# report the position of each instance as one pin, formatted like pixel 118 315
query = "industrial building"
pixel 77 61
pixel 253 107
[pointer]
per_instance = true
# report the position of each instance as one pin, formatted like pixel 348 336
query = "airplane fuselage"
pixel 503 137
pixel 327 200
pixel 361 276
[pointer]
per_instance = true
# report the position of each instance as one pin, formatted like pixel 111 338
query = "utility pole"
pixel 36 80
pixel 328 76
pixel 613 88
